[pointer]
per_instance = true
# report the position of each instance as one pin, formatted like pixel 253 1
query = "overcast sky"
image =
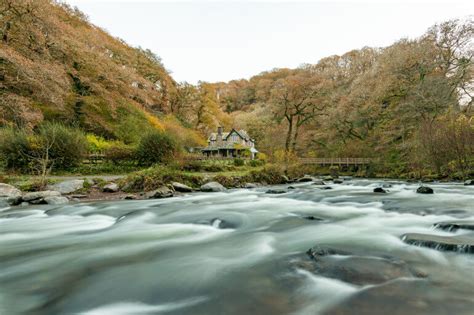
pixel 225 40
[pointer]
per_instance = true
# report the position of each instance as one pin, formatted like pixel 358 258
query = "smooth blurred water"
pixel 226 253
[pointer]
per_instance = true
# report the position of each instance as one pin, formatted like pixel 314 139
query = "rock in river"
pixel 10 194
pixel 162 192
pixel 360 270
pixel 38 197
pixel 275 191
pixel 305 179
pixel 403 297
pixel 425 190
pixel 68 187
pixel 56 200
pixel 453 226
pixel 469 182
pixel 181 187
pixel 458 243
pixel 212 187
pixel 380 190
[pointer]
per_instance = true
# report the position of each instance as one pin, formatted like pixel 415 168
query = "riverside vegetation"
pixel 68 89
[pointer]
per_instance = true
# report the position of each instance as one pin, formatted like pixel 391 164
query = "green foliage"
pixel 120 153
pixel 14 148
pixel 239 162
pixel 256 163
pixel 156 147
pixel 68 146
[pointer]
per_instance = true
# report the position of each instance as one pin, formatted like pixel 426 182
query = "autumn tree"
pixel 296 100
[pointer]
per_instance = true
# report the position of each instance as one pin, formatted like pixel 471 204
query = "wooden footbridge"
pixel 337 161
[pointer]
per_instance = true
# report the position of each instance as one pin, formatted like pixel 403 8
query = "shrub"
pixel 256 163
pixel 14 149
pixel 120 153
pixel 156 147
pixel 239 162
pixel 67 146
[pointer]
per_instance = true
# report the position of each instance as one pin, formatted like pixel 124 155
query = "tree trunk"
pixel 288 135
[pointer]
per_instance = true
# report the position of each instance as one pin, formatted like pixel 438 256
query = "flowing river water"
pixel 245 252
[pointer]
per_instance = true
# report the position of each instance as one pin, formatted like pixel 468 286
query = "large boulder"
pixel 212 187
pixel 162 192
pixel 10 194
pixel 380 190
pixel 181 187
pixel 56 200
pixel 360 270
pixel 38 197
pixel 68 187
pixel 469 182
pixel 111 188
pixel 425 190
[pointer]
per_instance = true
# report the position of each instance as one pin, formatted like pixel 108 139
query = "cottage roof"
pixel 242 133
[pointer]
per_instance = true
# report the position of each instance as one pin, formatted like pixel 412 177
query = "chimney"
pixel 219 136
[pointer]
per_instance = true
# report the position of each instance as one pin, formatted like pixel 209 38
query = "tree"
pixel 297 100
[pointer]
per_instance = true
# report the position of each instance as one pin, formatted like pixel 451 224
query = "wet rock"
pixel 402 297
pixel 56 200
pixel 360 270
pixel 162 192
pixel 39 196
pixel 130 197
pixel 250 185
pixel 181 187
pixel 380 190
pixel 328 178
pixel 291 187
pixel 305 179
pixel 275 191
pixel 212 187
pixel 469 182
pixel 337 181
pixel 459 243
pixel 10 194
pixel 326 188
pixel 319 182
pixel 221 224
pixel 425 190
pixel 453 226
pixel 312 218
pixel 68 187
pixel 111 188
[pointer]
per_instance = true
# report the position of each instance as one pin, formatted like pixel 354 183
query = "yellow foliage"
pixel 154 121
pixel 185 136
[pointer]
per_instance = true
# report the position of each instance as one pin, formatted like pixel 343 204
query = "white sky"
pixel 225 40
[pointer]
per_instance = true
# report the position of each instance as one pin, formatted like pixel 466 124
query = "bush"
pixel 239 162
pixel 156 147
pixel 120 153
pixel 14 149
pixel 67 146
pixel 256 163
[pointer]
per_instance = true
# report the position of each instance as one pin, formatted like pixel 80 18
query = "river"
pixel 245 252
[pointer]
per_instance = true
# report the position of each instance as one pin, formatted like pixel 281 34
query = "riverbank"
pixel 160 182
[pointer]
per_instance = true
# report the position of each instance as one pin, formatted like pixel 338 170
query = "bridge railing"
pixel 336 161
